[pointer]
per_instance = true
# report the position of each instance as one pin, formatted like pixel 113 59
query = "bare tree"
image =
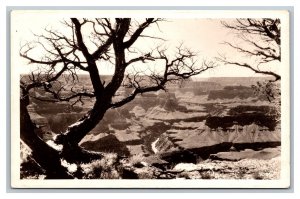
pixel 261 45
pixel 87 45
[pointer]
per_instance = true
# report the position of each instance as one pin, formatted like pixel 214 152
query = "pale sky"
pixel 204 36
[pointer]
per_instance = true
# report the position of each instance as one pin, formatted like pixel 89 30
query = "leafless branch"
pixel 137 33
pixel 180 68
pixel 261 39
pixel 245 65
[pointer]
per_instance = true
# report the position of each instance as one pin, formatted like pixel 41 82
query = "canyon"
pixel 190 123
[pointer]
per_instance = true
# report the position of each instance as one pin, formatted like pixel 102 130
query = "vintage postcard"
pixel 150 99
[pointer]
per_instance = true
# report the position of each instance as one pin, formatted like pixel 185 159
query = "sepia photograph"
pixel 150 99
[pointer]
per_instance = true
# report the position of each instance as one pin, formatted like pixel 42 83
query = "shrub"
pixel 106 168
pixel 135 159
pixel 206 175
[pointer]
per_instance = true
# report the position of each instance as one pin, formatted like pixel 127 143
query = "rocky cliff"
pixel 193 145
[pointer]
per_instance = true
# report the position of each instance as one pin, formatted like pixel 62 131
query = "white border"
pixel 284 182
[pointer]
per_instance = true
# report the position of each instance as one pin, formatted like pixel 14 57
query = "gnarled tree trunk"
pixel 47 157
pixel 77 131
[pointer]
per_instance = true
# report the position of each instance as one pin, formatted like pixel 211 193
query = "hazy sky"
pixel 204 36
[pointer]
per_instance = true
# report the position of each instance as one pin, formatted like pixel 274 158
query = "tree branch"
pixel 245 65
pixel 138 32
pixel 80 42
pixel 262 40
pixel 180 68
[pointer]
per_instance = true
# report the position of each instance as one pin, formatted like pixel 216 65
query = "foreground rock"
pixel 256 167
pixel 244 169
